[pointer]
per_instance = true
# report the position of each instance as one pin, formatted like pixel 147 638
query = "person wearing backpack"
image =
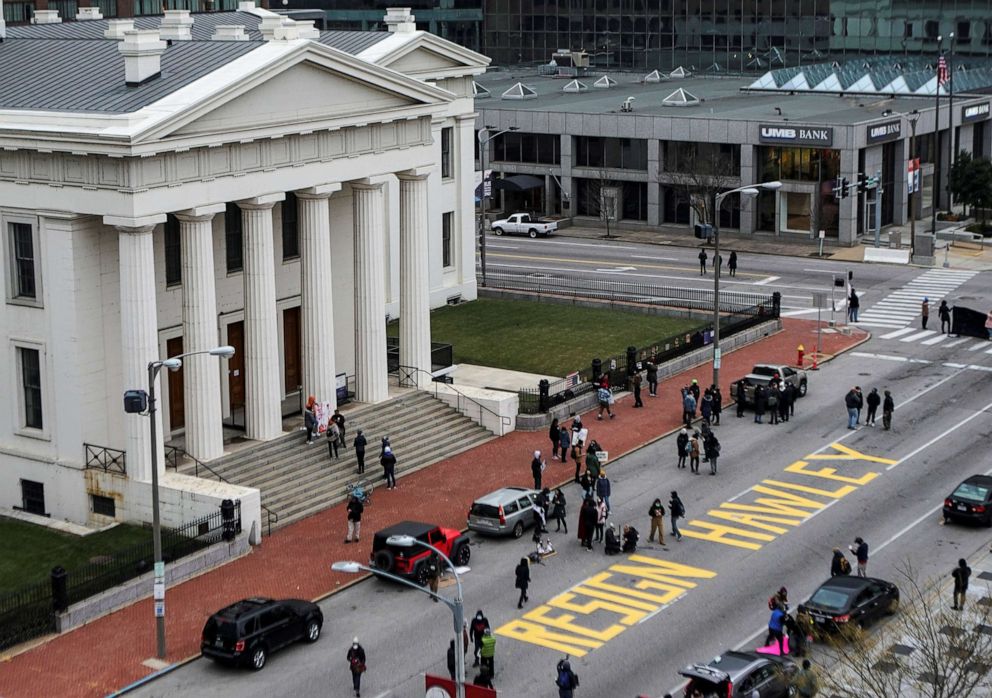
pixel 677 511
pixel 480 624
pixel 567 681
pixel 356 663
pixel 839 565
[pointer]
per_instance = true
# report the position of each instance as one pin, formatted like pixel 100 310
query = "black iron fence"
pixel 107 459
pixel 31 611
pixel 625 291
pixel 441 355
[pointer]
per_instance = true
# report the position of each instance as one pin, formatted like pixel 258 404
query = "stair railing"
pixel 464 404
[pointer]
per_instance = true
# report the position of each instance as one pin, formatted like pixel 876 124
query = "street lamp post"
pixel 173 363
pixel 456 605
pixel 484 140
pixel 750 190
pixel 913 118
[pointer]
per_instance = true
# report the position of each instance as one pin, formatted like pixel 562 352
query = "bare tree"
pixel 602 199
pixel 698 175
pixel 925 650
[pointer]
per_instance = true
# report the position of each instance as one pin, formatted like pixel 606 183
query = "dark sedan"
pixel 970 501
pixel 845 601
pixel 247 632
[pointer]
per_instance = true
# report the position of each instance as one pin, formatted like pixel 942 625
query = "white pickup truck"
pixel 523 224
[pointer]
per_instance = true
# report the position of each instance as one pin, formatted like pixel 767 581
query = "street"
pixel 785 496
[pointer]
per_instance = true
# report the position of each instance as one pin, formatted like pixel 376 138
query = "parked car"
pixel 410 562
pixel 247 632
pixel 739 674
pixel 506 511
pixel 970 501
pixel 762 374
pixel 524 224
pixel 844 601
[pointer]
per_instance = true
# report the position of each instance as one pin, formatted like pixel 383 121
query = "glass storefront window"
pixel 798 164
pixel 613 153
pixel 797 211
pixel 534 148
pixel 683 156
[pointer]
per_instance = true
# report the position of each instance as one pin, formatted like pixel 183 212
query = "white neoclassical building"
pixel 170 184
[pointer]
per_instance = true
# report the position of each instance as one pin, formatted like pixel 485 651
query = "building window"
pixel 534 148
pixel 22 261
pixel 104 506
pixel 173 252
pixel 447 223
pixel 447 152
pixel 233 235
pixel 290 228
pixel 612 153
pixel 30 365
pixel 33 497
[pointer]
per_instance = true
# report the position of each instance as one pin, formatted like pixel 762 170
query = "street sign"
pixel 158 592
pixel 160 609
pixel 159 569
pixel 820 299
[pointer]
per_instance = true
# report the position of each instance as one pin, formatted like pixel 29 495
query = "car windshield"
pixel 833 599
pixel 975 493
pixel 709 689
pixel 764 371
pixel 487 511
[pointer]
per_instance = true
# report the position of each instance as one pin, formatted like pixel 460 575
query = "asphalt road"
pixel 822 485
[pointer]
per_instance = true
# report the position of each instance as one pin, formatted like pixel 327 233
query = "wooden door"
pixel 236 365
pixel 177 411
pixel 291 345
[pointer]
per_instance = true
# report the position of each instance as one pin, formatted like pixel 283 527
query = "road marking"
pixel 941 436
pixel 897 333
pixel 769 280
pixel 957 342
pixel 604 262
pixel 936 340
pixel 980 345
pixel 657 259
pixel 918 335
pixel 616 269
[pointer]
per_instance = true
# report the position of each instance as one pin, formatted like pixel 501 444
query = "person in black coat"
pixel 356 663
pixel 741 398
pixel 523 580
pixel 360 443
pixel 612 545
pixel 587 522
pixel 717 404
pixel 791 393
pixel 451 660
pixel 760 401
pixel 555 436
pixel 732 263
pixel 873 400
pixel 837 564
pixel 630 538
pixel 888 407
pixel 388 462
pixel 558 512
pixel 536 468
pixel 682 444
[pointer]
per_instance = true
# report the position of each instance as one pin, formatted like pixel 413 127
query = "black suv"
pixel 970 501
pixel 246 632
pixel 739 674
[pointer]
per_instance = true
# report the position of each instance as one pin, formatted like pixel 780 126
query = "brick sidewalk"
pixel 295 560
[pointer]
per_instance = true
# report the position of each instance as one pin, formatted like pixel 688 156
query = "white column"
pixel 139 339
pixel 370 296
pixel 317 292
pixel 201 379
pixel 415 312
pixel 263 396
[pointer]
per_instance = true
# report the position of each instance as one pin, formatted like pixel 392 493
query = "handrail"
pixel 407 375
pixel 174 453
pixel 104 458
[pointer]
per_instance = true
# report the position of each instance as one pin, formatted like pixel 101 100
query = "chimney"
pixel 3 24
pixel 306 30
pixel 399 19
pixel 142 51
pixel 84 14
pixel 117 27
pixel 46 17
pixel 246 5
pixel 176 26
pixel 268 26
pixel 286 31
pixel 229 32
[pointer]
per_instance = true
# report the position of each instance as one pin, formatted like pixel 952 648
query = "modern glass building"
pixel 735 36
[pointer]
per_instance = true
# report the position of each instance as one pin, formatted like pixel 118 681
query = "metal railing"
pixel 442 354
pixel 408 379
pixel 31 611
pixel 175 454
pixel 614 290
pixel 109 460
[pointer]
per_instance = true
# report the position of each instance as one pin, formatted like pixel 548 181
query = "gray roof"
pixel 82 71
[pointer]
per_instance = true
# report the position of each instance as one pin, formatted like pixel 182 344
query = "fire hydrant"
pixel 802 355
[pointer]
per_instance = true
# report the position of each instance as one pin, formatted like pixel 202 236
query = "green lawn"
pixel 543 337
pixel 28 552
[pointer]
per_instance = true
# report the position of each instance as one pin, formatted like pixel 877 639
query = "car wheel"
pixel 383 560
pixel 258 657
pixel 802 389
pixel 988 521
pixel 532 233
pixel 313 630
pixel 420 576
pixel 462 555
pixel 518 530
pixel 497 231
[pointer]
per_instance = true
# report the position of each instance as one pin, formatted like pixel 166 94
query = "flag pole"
pixel 952 136
pixel 936 166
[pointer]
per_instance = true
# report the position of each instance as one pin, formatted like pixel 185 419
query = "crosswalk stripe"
pixel 897 333
pixel 978 346
pixel 988 351
pixel 935 340
pixel 957 342
pixel 918 335
pixel 889 325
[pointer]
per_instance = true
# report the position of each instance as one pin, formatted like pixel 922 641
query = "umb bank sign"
pixel 789 134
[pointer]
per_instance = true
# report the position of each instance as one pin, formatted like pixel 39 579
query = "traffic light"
pixel 844 187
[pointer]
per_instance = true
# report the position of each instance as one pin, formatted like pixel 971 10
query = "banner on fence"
pixel 572 380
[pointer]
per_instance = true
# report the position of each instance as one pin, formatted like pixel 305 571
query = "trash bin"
pixel 227 517
pixel 543 387
pixel 631 360
pixel 60 589
pixel 597 369
pixel 895 239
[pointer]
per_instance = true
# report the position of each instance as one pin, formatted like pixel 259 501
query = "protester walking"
pixel 676 510
pixel 924 312
pixel 480 624
pixel 688 408
pixel 355 510
pixel 488 651
pixel 605 399
pixel 310 418
pixel 860 550
pixel 888 407
pixel 587 522
pixel 652 376
pixel 537 469
pixel 388 462
pixel 960 574
pixel 682 446
pixel 657 514
pixel 694 453
pixel 523 580
pixel 555 437
pixel 851 403
pixel 873 400
pixel 944 313
pixel 702 262
pixel 356 663
pixel 558 511
pixel 732 263
pixel 604 489
pixel 566 680
pixel 360 443
pixel 636 383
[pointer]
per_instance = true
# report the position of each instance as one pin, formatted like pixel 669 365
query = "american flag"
pixel 943 74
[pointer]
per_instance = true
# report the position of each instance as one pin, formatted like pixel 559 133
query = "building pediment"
pixel 427 57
